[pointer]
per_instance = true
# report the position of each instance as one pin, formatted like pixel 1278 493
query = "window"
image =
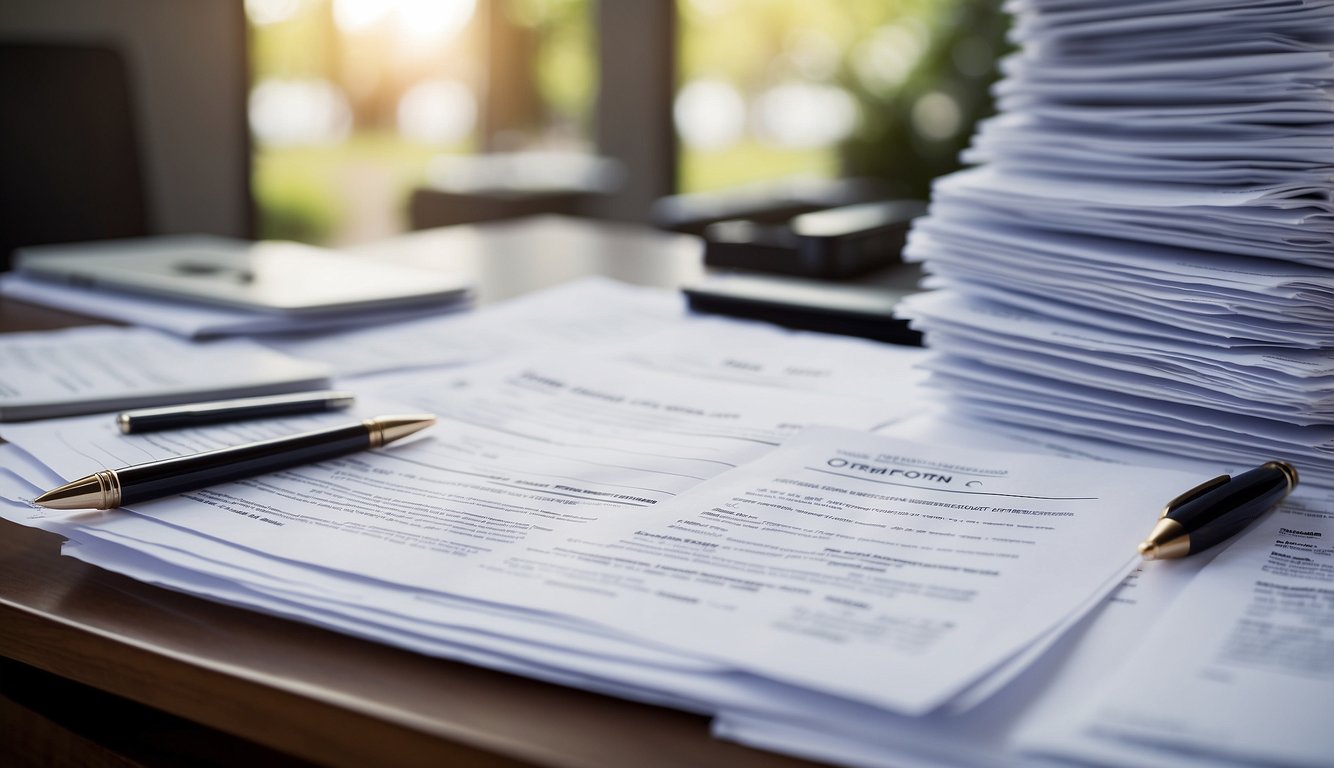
pixel 777 88
pixel 353 100
pixel 356 102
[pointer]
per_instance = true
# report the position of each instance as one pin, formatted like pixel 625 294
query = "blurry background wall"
pixel 187 67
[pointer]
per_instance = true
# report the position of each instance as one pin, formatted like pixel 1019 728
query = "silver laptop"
pixel 271 276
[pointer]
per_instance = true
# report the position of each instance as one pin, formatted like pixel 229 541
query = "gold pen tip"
pixel 84 493
pixel 387 429
pixel 1167 540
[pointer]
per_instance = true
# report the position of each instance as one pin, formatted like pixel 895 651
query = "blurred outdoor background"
pixel 355 103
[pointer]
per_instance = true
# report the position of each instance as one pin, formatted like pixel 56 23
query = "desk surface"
pixel 331 698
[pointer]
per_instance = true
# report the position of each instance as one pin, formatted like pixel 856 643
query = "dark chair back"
pixel 70 165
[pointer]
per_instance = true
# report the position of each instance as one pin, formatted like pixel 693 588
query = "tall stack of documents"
pixel 1143 250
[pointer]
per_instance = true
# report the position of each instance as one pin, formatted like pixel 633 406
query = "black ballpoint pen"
pixel 1216 510
pixel 217 411
pixel 119 487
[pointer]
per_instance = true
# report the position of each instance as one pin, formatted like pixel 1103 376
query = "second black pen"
pixel 239 409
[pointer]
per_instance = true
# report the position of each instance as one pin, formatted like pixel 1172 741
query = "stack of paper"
pixel 1144 252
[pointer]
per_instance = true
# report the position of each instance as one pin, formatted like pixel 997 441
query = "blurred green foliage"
pixel 564 64
pixel 750 161
pixel 965 40
pixel 948 47
pixel 301 47
pixel 305 192
pixel 742 40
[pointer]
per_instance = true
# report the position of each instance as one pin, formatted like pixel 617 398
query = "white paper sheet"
pixel 881 571
pixel 526 446
pixel 1041 698
pixel 578 315
pixel 100 368
pixel 1240 668
pixel 195 320
pixel 765 355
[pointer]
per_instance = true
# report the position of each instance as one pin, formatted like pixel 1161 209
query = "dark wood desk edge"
pixel 481 717
pixel 342 737
pixel 18 316
pixel 226 697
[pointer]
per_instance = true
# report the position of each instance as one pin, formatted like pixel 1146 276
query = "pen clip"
pixel 1195 493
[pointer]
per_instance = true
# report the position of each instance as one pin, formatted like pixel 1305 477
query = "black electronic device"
pixel 834 243
pixel 850 310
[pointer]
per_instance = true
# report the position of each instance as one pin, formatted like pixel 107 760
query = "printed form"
pixel 1241 666
pixel 521 447
pixel 83 370
pixel 859 566
pixel 864 566
pixel 856 565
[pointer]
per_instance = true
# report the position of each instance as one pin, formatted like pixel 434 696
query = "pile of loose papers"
pixel 1144 250
pixel 731 519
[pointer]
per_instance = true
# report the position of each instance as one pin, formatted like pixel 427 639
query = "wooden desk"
pixel 305 693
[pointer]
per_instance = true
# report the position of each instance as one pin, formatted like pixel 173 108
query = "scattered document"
pixel 878 598
pixel 578 315
pixel 766 355
pixel 520 447
pixel 1240 668
pixel 1040 715
pixel 99 368
pixel 874 569
pixel 513 422
pixel 531 451
pixel 197 321
pixel 985 736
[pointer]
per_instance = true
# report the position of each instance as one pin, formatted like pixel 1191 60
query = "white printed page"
pixel 198 321
pixel 103 368
pixel 1242 667
pixel 522 447
pixel 984 736
pixel 577 315
pixel 758 353
pixel 867 567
